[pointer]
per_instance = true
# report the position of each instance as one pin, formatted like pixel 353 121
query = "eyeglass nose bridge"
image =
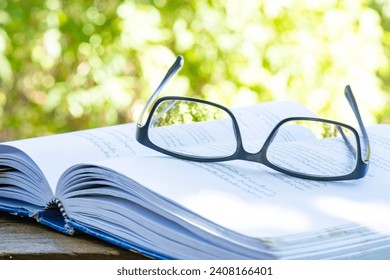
pixel 257 153
pixel 258 156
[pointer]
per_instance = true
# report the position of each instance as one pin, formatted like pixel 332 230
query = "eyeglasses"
pixel 303 147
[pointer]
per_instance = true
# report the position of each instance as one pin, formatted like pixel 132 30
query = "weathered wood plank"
pixel 23 238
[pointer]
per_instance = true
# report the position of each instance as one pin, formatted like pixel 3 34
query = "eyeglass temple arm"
pixel 176 66
pixel 347 142
pixel 352 102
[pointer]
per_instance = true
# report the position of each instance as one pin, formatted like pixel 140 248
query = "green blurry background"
pixel 69 65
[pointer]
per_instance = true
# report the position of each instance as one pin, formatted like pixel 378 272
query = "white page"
pixel 54 154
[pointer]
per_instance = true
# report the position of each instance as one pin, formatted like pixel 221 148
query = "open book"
pixel 102 182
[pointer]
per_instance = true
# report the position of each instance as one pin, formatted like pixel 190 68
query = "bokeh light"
pixel 70 65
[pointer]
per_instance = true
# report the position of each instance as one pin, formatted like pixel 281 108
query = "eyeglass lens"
pixel 183 127
pixel 314 148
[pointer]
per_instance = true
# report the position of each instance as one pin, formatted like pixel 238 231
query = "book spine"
pixel 57 202
pixel 55 216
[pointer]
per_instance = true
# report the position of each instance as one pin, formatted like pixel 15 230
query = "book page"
pixel 255 125
pixel 253 200
pixel 54 154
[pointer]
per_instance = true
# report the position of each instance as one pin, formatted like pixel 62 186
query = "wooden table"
pixel 24 238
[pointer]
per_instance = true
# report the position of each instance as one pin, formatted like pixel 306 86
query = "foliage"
pixel 171 112
pixel 68 65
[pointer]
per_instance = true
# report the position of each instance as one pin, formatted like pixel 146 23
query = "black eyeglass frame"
pixel 240 153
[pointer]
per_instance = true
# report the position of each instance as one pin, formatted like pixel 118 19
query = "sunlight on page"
pixel 235 195
pixel 226 208
pixel 373 215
